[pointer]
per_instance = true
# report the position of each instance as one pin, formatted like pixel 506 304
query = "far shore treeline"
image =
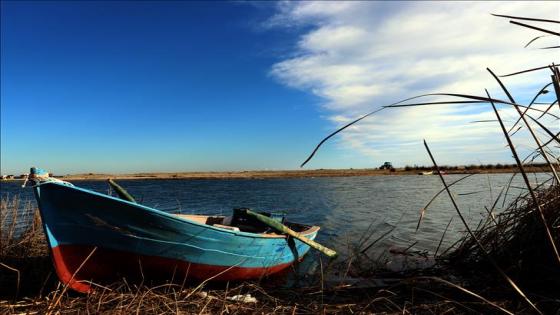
pixel 383 170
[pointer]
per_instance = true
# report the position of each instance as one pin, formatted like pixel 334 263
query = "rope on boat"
pixel 39 176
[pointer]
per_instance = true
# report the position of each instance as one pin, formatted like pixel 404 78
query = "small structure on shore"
pixel 386 166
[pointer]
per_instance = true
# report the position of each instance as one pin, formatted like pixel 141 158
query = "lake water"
pixel 344 207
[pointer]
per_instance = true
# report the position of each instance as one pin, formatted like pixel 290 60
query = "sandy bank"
pixel 280 174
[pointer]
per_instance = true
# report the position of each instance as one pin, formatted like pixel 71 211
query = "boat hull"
pixel 96 238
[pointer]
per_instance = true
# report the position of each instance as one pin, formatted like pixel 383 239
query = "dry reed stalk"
pixel 522 116
pixel 442 236
pixel 541 92
pixel 472 234
pixel 49 308
pixel 535 28
pixel 526 179
pixel 525 71
pixel 556 81
pixel 423 209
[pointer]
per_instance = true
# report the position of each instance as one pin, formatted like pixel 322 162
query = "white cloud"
pixel 361 55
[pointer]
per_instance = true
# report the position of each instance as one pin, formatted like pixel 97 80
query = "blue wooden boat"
pixel 95 237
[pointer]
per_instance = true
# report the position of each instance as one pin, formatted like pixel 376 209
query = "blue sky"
pixel 181 86
pixel 144 87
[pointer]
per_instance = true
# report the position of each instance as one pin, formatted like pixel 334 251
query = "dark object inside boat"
pixel 246 223
pixel 241 221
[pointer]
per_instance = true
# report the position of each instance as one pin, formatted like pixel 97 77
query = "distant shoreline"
pixel 282 174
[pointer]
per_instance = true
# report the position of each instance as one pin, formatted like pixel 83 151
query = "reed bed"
pixel 15 217
pixel 517 235
pixel 516 240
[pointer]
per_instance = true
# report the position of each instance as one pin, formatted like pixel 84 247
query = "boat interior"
pixel 243 223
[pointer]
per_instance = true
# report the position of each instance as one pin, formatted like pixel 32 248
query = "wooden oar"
pixel 123 194
pixel 286 230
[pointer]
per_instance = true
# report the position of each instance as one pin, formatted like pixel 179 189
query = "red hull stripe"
pixel 106 265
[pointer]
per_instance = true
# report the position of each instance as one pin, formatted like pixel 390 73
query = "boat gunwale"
pixel 311 230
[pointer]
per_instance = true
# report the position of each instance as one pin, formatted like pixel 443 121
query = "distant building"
pixel 4 177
